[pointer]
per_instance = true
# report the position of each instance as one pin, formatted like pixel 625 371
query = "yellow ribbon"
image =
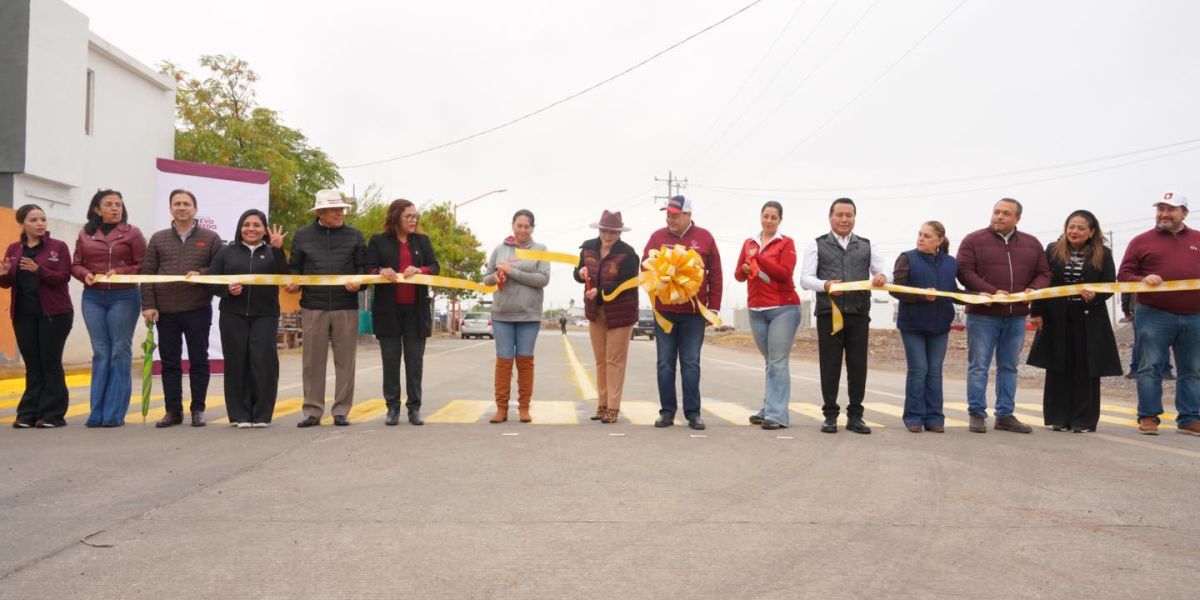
pixel 266 279
pixel 1061 291
pixel 547 256
pixel 671 275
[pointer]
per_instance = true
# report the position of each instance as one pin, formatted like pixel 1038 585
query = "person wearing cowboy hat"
pixel 328 313
pixel 605 262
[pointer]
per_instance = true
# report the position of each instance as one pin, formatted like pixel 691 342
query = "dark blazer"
pixel 383 251
pixel 1051 344
pixel 606 274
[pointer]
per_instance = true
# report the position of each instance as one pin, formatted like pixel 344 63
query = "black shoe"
pixel 414 417
pixel 198 418
pixel 393 416
pixel 756 419
pixel 665 421
pixel 170 419
pixel 695 422
pixel 770 425
pixel 26 424
pixel 857 426
pixel 830 425
pixel 340 420
pixel 309 422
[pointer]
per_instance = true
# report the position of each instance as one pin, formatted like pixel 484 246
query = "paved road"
pixel 566 507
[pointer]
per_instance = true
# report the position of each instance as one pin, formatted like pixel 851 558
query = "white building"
pixel 76 115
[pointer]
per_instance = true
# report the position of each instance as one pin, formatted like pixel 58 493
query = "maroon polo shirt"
pixel 1172 256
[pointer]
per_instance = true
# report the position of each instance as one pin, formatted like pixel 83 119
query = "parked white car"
pixel 476 325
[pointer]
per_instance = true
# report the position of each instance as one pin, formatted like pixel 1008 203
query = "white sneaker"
pixel 260 425
pixel 244 425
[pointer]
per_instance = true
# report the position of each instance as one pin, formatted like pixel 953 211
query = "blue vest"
pixel 927 271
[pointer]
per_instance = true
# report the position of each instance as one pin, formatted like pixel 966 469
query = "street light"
pixel 484 195
pixel 454 303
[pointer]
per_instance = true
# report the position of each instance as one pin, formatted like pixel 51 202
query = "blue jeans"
pixel 1133 355
pixel 515 338
pixel 110 316
pixel 774 333
pixel 925 353
pixel 1158 332
pixel 1004 337
pixel 682 344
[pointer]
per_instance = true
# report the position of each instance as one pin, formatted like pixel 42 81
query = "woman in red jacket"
pixel 37 268
pixel 108 244
pixel 766 263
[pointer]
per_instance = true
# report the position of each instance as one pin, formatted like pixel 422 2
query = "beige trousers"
pixel 611 348
pixel 321 329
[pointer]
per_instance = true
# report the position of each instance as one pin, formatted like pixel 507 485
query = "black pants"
pixel 251 366
pixel 850 343
pixel 41 340
pixel 1071 397
pixel 173 328
pixel 410 345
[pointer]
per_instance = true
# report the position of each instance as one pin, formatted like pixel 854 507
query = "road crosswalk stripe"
pixel 365 410
pixel 896 411
pixel 461 411
pixel 583 381
pixel 283 408
pixel 814 412
pixel 640 412
pixel 727 411
pixel 554 412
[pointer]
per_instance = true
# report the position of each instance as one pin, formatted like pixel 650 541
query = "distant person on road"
pixel 1166 321
pixel 249 321
pixel 1128 301
pixel 997 261
pixel 401 314
pixel 37 268
pixel 839 256
pixel 924 324
pixel 181 310
pixel 606 262
pixel 686 339
pixel 767 263
pixel 516 314
pixel 1075 342
pixel 108 244
pixel 562 323
pixel 328 313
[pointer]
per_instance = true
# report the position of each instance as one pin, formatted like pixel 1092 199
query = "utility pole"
pixel 674 186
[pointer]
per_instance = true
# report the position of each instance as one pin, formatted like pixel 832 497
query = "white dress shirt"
pixel 808 270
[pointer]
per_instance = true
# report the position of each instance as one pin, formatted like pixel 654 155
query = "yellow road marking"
pixel 1120 421
pixel 461 411
pixel 587 389
pixel 814 412
pixel 728 411
pixel 157 412
pixel 1127 410
pixel 16 385
pixel 898 412
pixel 640 413
pixel 554 412
pixel 362 411
pixel 283 408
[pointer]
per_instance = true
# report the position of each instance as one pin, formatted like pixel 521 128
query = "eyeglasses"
pixel 410 217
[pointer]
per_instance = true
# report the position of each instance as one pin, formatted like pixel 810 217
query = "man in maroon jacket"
pixel 1166 320
pixel 687 334
pixel 997 261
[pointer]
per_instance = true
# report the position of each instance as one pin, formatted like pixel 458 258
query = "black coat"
pixel 319 250
pixel 255 300
pixel 383 251
pixel 1051 344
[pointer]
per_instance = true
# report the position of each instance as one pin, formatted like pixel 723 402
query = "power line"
pixel 936 182
pixel 754 71
pixel 559 101
pixel 800 85
pixel 867 89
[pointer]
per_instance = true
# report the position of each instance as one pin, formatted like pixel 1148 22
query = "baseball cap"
pixel 678 204
pixel 1174 199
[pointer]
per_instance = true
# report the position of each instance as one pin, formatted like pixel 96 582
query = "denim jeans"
pixel 1133 355
pixel 924 353
pixel 682 344
pixel 1158 332
pixel 515 338
pixel 1004 337
pixel 110 316
pixel 774 333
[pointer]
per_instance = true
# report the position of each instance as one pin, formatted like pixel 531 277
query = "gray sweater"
pixel 521 298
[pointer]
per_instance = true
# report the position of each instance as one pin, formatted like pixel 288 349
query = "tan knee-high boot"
pixel 503 384
pixel 524 386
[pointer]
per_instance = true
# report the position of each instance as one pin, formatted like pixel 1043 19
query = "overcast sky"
pixel 786 99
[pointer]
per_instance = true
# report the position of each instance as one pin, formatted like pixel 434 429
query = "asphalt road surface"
pixel 567 507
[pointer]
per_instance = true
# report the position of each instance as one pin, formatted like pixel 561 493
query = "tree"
pixel 456 247
pixel 219 122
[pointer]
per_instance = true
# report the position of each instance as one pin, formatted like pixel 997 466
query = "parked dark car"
pixel 644 325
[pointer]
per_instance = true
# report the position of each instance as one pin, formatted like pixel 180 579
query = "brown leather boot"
pixel 524 387
pixel 503 383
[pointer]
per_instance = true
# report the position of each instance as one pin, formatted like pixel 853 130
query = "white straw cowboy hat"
pixel 331 199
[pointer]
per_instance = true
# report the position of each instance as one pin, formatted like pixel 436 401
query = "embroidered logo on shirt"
pixel 201 244
pixel 54 256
